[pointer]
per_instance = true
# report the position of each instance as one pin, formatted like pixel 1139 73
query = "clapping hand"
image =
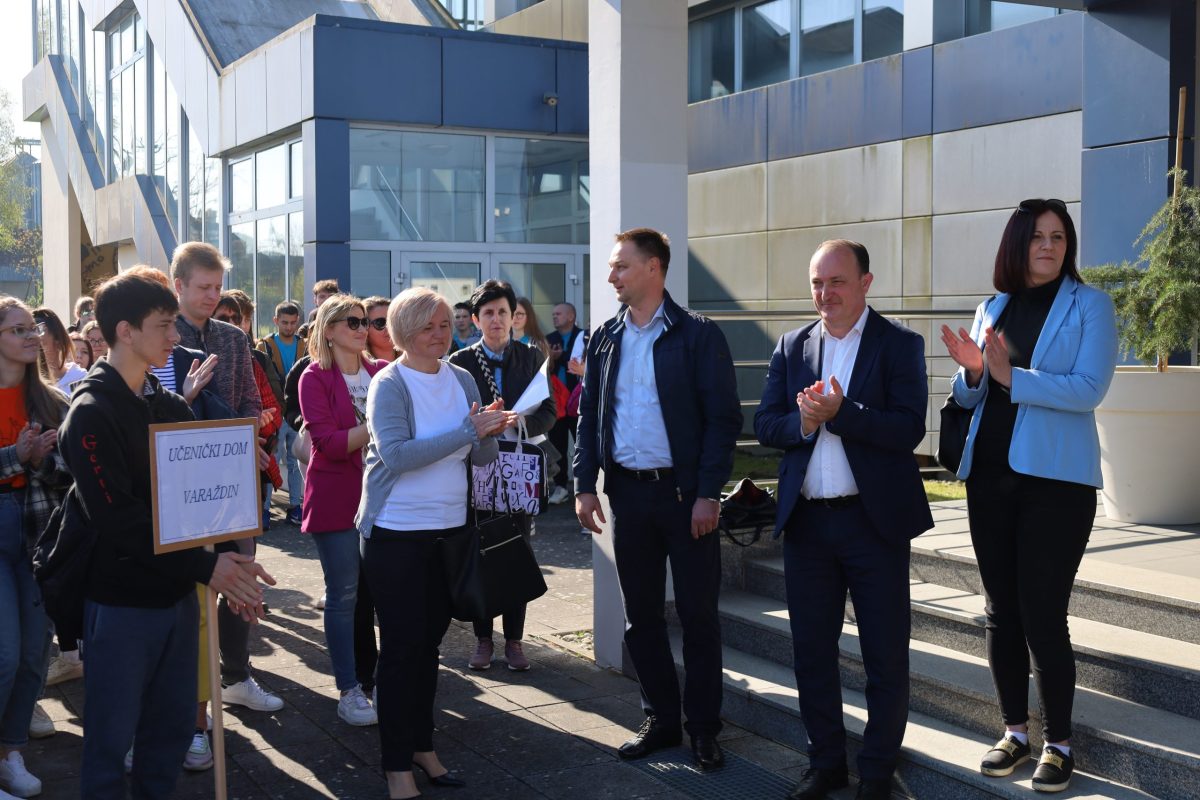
pixel 818 406
pixel 34 444
pixel 492 419
pixel 236 576
pixel 198 376
pixel 965 352
pixel 996 352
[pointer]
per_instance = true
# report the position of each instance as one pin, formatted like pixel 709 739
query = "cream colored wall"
pixel 550 19
pixel 930 210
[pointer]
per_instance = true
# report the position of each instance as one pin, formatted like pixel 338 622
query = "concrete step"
pixel 1147 748
pixel 939 761
pixel 1142 600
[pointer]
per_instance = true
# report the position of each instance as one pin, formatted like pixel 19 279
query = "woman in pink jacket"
pixel 333 398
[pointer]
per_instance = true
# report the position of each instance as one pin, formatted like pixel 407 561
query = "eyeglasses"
pixel 230 318
pixel 354 323
pixel 25 331
pixel 1037 205
pixel 96 340
pixel 379 323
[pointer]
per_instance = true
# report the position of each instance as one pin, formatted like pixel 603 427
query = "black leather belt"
pixel 845 501
pixel 660 474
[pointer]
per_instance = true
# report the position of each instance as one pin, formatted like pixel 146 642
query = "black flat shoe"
pixel 815 784
pixel 874 790
pixel 445 780
pixel 653 735
pixel 707 752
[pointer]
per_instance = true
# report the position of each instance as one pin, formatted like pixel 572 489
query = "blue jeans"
pixel 340 561
pixel 140 683
pixel 283 455
pixel 24 629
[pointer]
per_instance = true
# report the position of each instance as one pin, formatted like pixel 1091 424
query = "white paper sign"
pixel 205 483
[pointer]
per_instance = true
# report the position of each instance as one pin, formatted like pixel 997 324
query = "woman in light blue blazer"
pixel 1038 360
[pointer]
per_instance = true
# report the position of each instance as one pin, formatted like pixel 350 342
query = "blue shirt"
pixel 639 432
pixel 495 360
pixel 287 353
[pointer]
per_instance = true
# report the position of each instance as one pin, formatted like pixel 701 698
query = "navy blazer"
pixel 881 421
pixel 697 388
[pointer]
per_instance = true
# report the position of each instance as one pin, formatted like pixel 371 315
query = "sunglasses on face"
pixel 1037 206
pixel 379 323
pixel 232 320
pixel 354 323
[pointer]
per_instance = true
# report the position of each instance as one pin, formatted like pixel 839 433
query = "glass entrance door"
pixel 452 275
pixel 546 280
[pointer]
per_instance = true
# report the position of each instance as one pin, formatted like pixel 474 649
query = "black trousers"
pixel 827 551
pixel 652 524
pixel 514 618
pixel 1029 536
pixel 559 436
pixel 366 652
pixel 404 571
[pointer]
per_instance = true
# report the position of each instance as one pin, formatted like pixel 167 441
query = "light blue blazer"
pixel 1072 366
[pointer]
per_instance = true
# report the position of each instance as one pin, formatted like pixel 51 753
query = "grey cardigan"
pixel 393 448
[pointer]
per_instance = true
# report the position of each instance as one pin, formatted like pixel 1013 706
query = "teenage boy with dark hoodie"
pixel 141 617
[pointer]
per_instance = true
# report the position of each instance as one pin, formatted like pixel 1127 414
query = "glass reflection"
pixel 710 56
pixel 826 35
pixel 766 43
pixel 541 191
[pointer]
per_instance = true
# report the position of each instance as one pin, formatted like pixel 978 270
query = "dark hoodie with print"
pixel 105 441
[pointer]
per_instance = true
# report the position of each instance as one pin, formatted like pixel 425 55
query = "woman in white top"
pixel 56 360
pixel 425 423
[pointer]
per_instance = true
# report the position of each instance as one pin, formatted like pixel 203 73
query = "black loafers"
pixel 874 790
pixel 653 735
pixel 815 784
pixel 707 752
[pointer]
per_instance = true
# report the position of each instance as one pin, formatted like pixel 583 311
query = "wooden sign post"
pixel 205 489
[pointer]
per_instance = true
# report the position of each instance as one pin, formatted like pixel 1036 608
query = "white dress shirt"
pixel 639 432
pixel 829 472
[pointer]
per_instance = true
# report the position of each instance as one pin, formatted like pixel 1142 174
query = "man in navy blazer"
pixel 845 399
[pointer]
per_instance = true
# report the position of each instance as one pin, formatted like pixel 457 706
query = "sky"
pixel 16 57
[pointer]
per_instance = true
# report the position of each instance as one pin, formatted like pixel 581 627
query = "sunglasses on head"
pixel 354 323
pixel 1038 205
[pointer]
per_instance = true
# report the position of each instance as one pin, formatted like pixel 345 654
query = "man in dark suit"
pixel 845 400
pixel 660 415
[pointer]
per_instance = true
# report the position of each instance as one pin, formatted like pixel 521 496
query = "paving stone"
pixel 608 781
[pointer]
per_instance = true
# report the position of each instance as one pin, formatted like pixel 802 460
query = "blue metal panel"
pixel 495 84
pixel 728 132
pixel 372 74
pixel 327 182
pixel 572 83
pixel 847 107
pixel 1122 188
pixel 329 260
pixel 1017 73
pixel 918 92
pixel 1135 57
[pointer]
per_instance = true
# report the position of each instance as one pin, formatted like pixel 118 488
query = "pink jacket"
pixel 333 482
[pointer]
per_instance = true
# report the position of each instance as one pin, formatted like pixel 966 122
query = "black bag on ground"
pixel 490 568
pixel 747 506
pixel 952 433
pixel 61 559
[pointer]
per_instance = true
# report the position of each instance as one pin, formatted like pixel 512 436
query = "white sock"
pixel 1064 748
pixel 1023 738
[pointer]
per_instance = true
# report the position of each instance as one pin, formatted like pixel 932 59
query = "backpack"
pixel 61 559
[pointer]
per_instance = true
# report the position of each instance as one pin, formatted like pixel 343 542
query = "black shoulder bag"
pixel 747 506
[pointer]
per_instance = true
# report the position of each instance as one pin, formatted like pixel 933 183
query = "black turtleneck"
pixel 1021 323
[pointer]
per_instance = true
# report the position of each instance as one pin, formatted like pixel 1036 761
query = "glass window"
pixel 453 280
pixel 241 255
pixel 296 257
pixel 882 28
pixel 544 284
pixel 96 102
pixel 992 15
pixel 270 177
pixel 114 135
pixel 710 56
pixel 540 191
pixel 827 35
pixel 165 158
pixel 371 273
pixel 296 177
pixel 270 271
pixel 195 189
pixel 212 201
pixel 140 108
pixel 766 43
pixel 241 186
pixel 407 186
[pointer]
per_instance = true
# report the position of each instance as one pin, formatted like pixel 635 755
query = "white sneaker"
pixel 559 495
pixel 64 667
pixel 199 756
pixel 355 709
pixel 321 603
pixel 15 779
pixel 249 694
pixel 40 725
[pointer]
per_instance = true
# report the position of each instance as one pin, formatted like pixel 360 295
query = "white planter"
pixel 1149 426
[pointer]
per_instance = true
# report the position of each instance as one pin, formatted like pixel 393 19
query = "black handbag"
pixel 747 506
pixel 952 434
pixel 490 568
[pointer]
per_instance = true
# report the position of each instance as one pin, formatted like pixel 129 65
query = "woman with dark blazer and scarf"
pixel 503 369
